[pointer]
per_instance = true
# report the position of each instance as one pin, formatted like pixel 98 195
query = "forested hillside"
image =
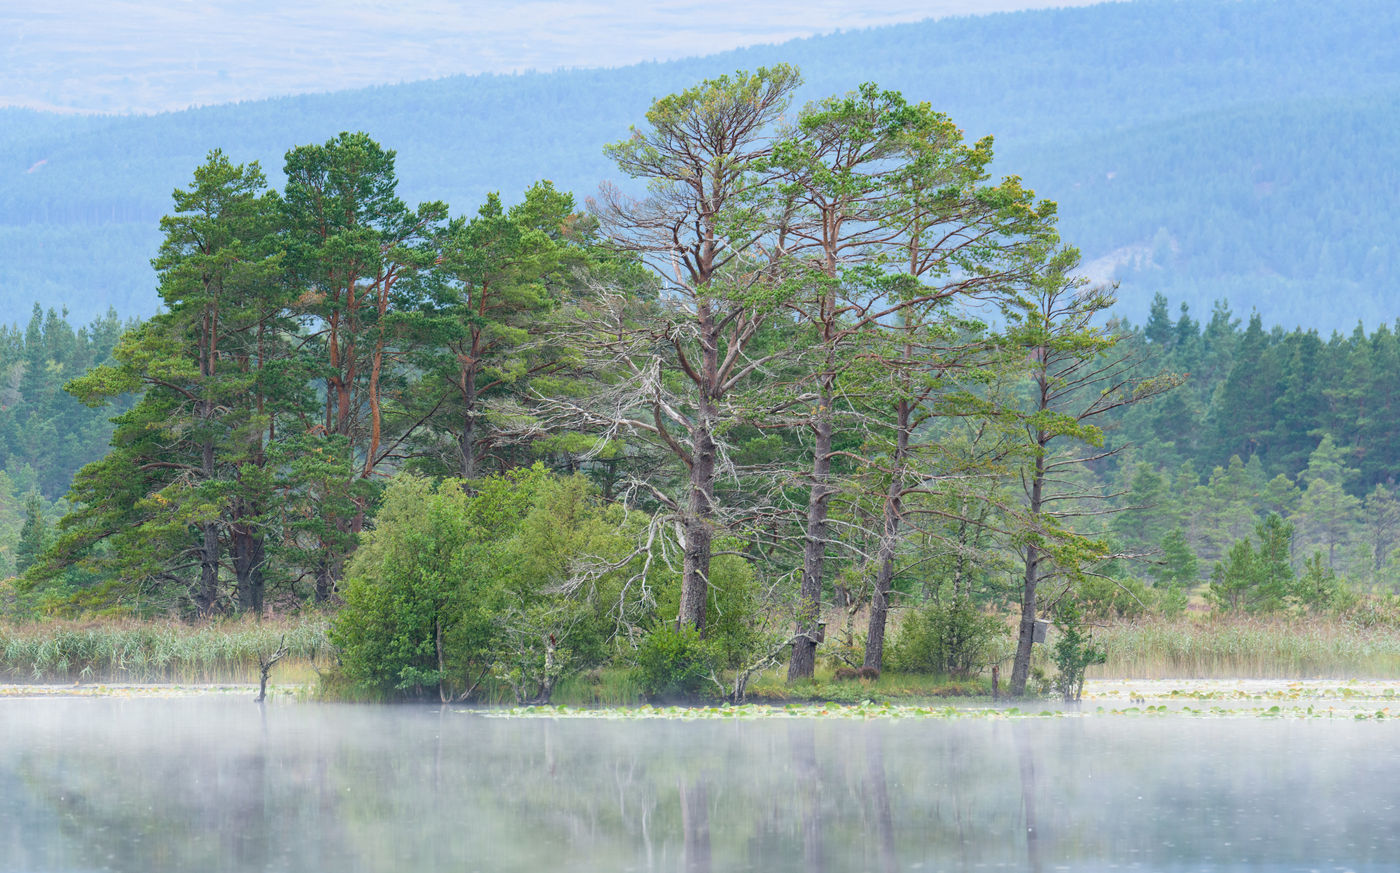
pixel 1202 149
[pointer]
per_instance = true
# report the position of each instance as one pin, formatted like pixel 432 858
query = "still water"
pixel 218 784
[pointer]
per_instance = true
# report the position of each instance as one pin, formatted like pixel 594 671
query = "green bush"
pixel 732 607
pixel 1171 600
pixel 954 639
pixel 419 593
pixel 520 584
pixel 673 663
pixel 1074 650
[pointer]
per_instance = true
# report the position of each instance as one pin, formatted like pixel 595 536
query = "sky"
pixel 140 57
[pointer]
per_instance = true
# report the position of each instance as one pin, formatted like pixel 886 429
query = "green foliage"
pixel 1074 651
pixel 1318 589
pixel 34 536
pixel 450 588
pixel 46 434
pixel 1251 580
pixel 1179 568
pixel 420 593
pixel 953 638
pixel 676 663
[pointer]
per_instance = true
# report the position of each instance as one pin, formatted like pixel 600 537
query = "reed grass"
pixel 773 687
pixel 160 651
pixel 1248 648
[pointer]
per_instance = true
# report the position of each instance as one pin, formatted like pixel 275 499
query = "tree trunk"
pixel 249 555
pixel 466 440
pixel 327 572
pixel 698 522
pixel 699 532
pixel 375 413
pixel 208 594
pixel 809 606
pixel 1021 668
pixel 889 539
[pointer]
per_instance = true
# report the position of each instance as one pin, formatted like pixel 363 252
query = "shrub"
pixel 419 593
pixel 956 639
pixel 732 609
pixel 673 663
pixel 1172 600
pixel 1074 651
pixel 450 588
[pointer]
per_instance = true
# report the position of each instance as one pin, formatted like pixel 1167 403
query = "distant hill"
pixel 1203 149
pixel 101 56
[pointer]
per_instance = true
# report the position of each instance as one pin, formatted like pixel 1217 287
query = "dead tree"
pixel 265 665
pixel 707 229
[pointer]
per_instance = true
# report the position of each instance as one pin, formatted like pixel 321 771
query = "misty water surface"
pixel 217 784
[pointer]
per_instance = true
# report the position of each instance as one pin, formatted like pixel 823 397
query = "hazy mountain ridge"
pixel 1178 101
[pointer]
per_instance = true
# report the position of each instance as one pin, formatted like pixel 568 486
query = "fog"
pixel 219 784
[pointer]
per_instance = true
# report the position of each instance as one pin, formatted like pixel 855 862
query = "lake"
pixel 216 783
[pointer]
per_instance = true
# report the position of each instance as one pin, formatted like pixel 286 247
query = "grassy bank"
pixel 1193 647
pixel 161 651
pixel 1264 648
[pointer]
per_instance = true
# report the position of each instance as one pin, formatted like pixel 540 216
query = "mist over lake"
pixel 218 784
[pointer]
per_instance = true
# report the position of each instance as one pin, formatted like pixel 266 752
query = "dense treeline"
pixel 1234 147
pixel 46 434
pixel 1282 436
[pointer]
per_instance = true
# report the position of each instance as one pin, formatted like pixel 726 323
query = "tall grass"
pixel 158 651
pixel 1244 647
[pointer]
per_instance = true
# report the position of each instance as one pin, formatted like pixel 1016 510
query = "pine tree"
pixel 33 536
